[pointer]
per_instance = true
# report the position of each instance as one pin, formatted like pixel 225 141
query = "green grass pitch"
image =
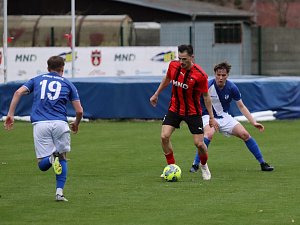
pixel 114 170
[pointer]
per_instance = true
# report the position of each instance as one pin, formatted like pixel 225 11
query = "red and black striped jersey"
pixel 187 87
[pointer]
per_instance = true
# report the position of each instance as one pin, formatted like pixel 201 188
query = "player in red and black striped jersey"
pixel 189 82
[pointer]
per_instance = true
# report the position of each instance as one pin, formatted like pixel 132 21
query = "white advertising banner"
pixel 25 63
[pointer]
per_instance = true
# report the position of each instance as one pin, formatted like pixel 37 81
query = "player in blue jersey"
pixel 222 92
pixel 51 132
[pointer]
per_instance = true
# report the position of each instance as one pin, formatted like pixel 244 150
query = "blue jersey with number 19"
pixel 51 94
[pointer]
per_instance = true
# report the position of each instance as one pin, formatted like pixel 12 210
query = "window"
pixel 228 33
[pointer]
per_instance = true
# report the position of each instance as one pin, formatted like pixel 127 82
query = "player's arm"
pixel 163 84
pixel 79 113
pixel 244 110
pixel 9 122
pixel 207 102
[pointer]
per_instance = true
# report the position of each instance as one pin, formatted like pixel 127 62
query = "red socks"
pixel 203 158
pixel 170 158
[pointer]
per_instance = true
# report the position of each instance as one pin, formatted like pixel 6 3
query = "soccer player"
pixel 222 92
pixel 51 132
pixel 189 82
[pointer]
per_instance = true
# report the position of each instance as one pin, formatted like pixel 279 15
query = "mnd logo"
pixel 26 58
pixel 179 84
pixel 125 57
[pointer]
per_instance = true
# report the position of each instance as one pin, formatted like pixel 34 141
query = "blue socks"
pixel 61 179
pixel 45 164
pixel 251 145
pixel 197 158
pixel 254 149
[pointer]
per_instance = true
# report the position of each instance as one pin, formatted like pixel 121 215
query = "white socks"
pixel 59 191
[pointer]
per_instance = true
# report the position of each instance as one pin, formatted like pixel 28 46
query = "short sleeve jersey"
pixel 187 87
pixel 51 92
pixel 221 98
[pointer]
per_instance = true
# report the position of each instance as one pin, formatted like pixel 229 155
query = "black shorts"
pixel 194 122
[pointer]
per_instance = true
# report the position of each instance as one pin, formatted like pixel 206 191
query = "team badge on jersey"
pixel 226 97
pixel 96 58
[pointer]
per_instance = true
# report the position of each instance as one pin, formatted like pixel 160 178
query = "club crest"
pixel 96 58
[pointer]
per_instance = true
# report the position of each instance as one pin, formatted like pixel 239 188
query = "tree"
pixel 282 7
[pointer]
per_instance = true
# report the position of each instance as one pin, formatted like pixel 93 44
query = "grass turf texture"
pixel 114 170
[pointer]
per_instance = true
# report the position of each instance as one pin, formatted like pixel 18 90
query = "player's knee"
pixel 209 136
pixel 245 136
pixel 201 146
pixel 164 138
pixel 43 166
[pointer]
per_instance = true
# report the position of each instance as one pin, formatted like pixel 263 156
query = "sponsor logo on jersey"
pixel 179 84
pixel 96 58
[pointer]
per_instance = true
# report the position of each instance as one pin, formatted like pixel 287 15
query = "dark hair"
pixel 186 48
pixel 55 63
pixel 223 65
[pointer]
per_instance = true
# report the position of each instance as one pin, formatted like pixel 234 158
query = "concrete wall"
pixel 279 52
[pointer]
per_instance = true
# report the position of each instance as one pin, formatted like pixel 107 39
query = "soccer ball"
pixel 172 173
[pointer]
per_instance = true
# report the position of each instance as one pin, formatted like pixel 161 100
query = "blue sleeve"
pixel 236 94
pixel 73 93
pixel 29 85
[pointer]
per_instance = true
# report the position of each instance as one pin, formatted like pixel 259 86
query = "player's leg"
pixel 196 128
pixel 61 138
pixel 208 135
pixel 43 145
pixel 240 132
pixel 166 132
pixel 203 155
pixel 170 122
pixel 56 163
pixel 61 178
pixel 45 163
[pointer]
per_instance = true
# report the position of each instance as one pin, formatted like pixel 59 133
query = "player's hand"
pixel 74 127
pixel 9 123
pixel 154 100
pixel 259 126
pixel 214 124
